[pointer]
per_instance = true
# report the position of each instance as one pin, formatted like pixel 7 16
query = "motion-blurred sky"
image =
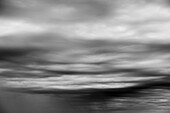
pixel 130 20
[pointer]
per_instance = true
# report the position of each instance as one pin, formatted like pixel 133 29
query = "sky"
pixel 145 21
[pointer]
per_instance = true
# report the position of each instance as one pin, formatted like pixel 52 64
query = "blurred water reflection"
pixel 147 100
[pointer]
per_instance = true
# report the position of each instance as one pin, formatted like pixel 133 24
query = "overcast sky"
pixel 89 19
